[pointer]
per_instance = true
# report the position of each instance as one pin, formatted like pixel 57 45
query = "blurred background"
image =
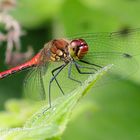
pixel 108 112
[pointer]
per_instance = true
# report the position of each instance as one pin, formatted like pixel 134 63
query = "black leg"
pixel 90 63
pixel 69 74
pixel 78 69
pixel 56 79
pixel 53 78
pixel 85 66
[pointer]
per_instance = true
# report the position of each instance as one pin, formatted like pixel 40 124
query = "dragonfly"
pixel 82 55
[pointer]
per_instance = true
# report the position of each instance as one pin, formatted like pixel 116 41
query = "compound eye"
pixel 75 49
pixel 79 47
pixel 75 43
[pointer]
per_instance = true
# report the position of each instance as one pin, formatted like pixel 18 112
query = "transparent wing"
pixel 118 48
pixel 34 87
pixel 113 42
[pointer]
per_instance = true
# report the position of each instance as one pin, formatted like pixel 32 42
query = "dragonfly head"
pixel 78 48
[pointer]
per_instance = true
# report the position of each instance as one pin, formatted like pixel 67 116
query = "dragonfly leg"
pixel 83 61
pixel 69 74
pixel 80 66
pixel 53 78
pixel 56 79
pixel 78 69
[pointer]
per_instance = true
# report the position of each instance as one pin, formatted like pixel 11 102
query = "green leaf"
pixel 50 124
pixel 114 114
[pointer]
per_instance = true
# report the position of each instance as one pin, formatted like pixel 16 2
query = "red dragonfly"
pixel 84 55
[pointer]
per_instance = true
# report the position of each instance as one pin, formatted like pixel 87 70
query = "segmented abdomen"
pixel 33 62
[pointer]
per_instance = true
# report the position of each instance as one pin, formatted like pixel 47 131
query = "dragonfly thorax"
pixel 58 49
pixel 78 48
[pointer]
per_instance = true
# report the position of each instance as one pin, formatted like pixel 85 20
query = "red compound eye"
pixel 80 47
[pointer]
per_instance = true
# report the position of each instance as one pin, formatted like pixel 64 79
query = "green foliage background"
pixel 107 112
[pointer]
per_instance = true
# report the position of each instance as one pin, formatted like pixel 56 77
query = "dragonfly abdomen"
pixel 14 70
pixel 33 62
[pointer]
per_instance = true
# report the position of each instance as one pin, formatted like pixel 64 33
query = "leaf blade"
pixel 52 123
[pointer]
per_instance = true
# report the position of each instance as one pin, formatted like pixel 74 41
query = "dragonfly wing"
pixel 114 42
pixel 34 84
pixel 118 48
pixel 123 64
